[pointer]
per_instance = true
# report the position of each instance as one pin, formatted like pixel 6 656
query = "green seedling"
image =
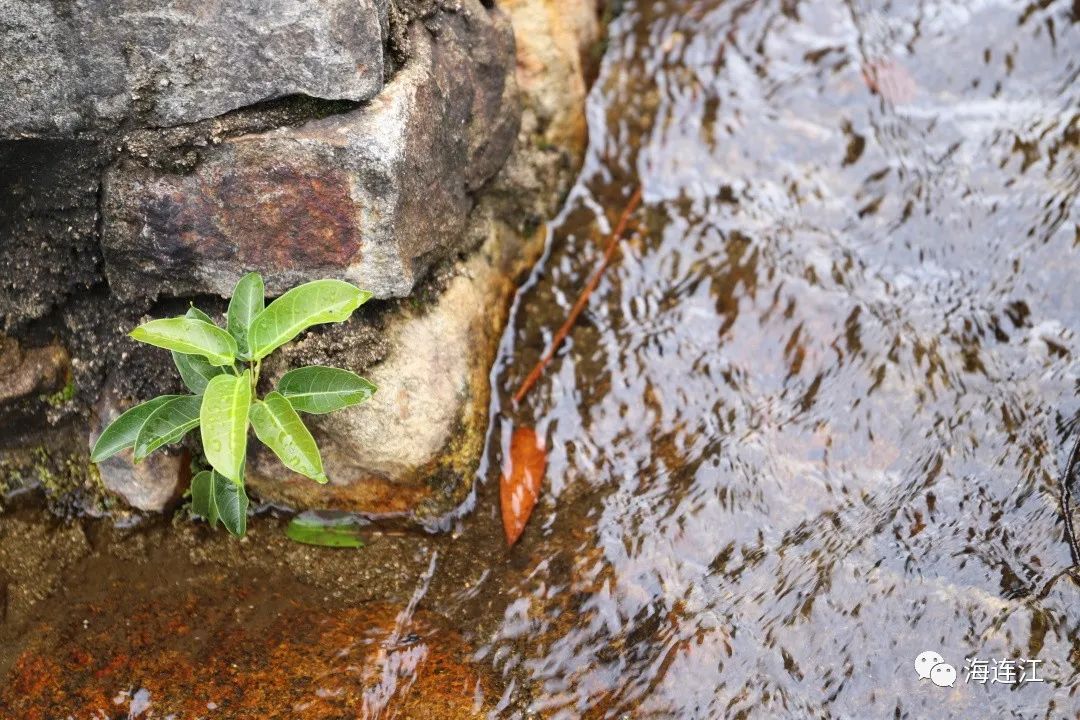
pixel 221 369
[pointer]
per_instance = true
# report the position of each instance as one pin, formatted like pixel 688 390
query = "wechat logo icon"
pixel 929 665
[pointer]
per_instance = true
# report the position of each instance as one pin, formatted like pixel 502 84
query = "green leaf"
pixel 122 432
pixel 232 504
pixel 167 424
pixel 196 370
pixel 312 303
pixel 189 336
pixel 196 314
pixel 203 500
pixel 318 390
pixel 282 430
pixel 224 420
pixel 326 529
pixel 247 302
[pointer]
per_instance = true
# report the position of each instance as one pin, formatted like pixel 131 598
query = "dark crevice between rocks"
pixel 53 425
pixel 47 204
pixel 177 149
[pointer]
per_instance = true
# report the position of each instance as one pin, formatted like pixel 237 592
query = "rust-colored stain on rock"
pixel 272 216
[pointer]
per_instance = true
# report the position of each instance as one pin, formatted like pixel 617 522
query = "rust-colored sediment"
pixel 187 659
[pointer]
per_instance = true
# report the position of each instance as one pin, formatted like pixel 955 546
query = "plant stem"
pixel 255 367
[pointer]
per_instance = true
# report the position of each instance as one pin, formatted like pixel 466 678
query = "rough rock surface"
pixel 30 371
pixel 90 65
pixel 413 448
pixel 373 196
pixel 430 193
pixel 554 40
pixel 415 445
pixel 153 485
pixel 556 44
pixel 48 215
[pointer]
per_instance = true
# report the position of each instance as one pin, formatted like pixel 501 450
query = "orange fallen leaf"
pixel 519 485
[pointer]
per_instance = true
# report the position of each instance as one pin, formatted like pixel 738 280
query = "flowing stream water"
pixel 812 423
pixel 809 427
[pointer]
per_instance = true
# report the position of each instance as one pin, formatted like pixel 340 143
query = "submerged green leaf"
pixel 167 424
pixel 203 500
pixel 189 336
pixel 281 429
pixel 123 431
pixel 232 504
pixel 318 390
pixel 312 303
pixel 326 529
pixel 246 303
pixel 224 420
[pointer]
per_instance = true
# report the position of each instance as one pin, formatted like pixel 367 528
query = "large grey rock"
pixel 89 64
pixel 415 446
pixel 374 196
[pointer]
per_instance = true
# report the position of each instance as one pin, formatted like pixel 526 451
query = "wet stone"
pixel 189 622
pixel 315 663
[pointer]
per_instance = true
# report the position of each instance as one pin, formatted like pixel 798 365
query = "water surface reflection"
pixel 810 424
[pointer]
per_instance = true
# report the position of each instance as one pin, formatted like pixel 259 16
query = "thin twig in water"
pixel 583 298
pixel 1066 500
